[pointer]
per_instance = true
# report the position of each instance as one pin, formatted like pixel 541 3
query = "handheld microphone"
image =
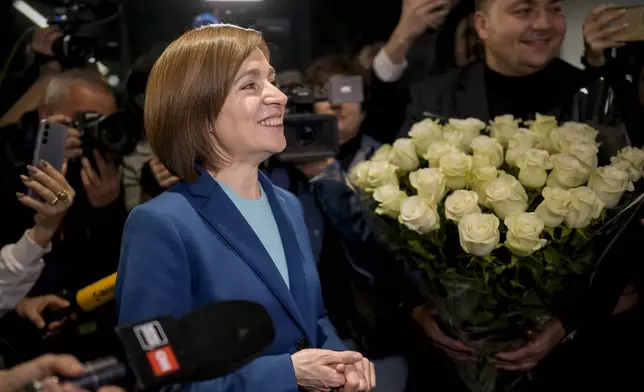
pixel 207 343
pixel 86 299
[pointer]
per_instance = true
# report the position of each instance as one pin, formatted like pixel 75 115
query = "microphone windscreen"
pixel 225 336
pixel 97 293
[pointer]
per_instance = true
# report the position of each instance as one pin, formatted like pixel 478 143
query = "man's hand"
pixel 359 377
pixel 313 169
pixel 103 188
pixel 16 378
pixel 420 15
pixel 316 370
pixel 600 34
pixel 455 349
pixel 162 174
pixel 43 40
pixel 528 356
pixel 32 308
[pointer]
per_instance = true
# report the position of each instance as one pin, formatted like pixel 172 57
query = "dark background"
pixel 317 27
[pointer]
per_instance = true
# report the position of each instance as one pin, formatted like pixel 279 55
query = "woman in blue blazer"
pixel 212 116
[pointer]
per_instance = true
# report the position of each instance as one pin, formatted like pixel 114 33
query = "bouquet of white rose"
pixel 498 222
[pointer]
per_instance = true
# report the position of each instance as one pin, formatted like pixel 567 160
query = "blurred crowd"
pixel 61 229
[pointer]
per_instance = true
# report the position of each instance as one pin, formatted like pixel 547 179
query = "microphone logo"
pixel 150 335
pixel 163 361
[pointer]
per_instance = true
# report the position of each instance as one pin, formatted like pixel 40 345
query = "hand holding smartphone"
pixel 50 146
pixel 634 17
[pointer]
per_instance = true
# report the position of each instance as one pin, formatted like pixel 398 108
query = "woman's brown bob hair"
pixel 187 88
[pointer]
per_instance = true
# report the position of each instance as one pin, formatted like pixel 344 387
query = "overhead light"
pixel 233 1
pixel 39 20
pixel 28 11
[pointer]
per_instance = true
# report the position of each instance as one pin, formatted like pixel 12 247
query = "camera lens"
pixel 306 135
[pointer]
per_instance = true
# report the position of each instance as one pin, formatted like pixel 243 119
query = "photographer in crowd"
pixel 86 246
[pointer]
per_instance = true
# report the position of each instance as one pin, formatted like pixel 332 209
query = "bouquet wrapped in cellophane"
pixel 499 224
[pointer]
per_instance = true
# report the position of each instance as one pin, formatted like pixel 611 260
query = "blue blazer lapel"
pixel 292 250
pixel 220 212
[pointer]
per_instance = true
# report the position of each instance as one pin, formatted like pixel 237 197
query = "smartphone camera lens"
pixel 44 141
pixel 46 126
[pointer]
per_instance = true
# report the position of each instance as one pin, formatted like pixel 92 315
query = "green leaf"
pixel 582 233
pixel 565 232
pixel 516 284
pixel 532 264
pixel 418 248
pixel 551 255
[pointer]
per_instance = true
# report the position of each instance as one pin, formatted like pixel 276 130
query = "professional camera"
pixel 116 134
pixel 313 137
pixel 74 51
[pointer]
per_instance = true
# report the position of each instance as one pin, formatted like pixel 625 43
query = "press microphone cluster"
pixel 207 343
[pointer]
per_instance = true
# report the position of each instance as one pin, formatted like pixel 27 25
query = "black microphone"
pixel 208 343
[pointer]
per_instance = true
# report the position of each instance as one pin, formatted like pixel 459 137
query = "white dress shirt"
pixel 385 69
pixel 20 267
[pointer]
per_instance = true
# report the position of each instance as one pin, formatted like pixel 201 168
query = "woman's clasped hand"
pixel 326 370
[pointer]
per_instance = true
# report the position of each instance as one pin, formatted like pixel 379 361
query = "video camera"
pixel 74 51
pixel 116 134
pixel 313 137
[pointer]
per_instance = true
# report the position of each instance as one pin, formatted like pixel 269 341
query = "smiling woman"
pixel 212 116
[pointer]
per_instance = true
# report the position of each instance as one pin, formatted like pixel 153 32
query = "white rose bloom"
pixel 585 153
pixel 469 128
pixel 585 131
pixel 479 233
pixel 389 198
pixel 468 125
pixel 358 175
pixel 635 157
pixel 609 184
pixel 382 154
pixel 461 203
pixel 570 134
pixel 403 155
pixel 555 206
pixel 424 133
pixel 542 126
pixel 456 167
pixel 418 215
pixel 506 196
pixel 503 128
pixel 368 175
pixel 480 178
pixel 481 161
pixel 567 172
pixel 430 184
pixel 533 165
pixel 489 148
pixel 521 142
pixel 585 206
pixel 627 166
pixel 456 138
pixel 524 231
pixel 436 150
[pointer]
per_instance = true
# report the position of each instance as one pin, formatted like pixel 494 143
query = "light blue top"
pixel 259 216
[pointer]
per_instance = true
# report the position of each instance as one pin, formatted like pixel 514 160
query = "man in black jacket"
pixel 521 74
